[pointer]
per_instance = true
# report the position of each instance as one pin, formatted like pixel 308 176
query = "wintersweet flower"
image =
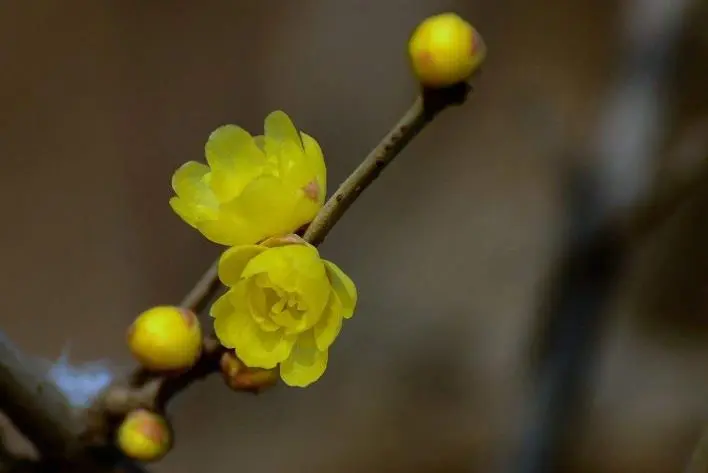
pixel 253 187
pixel 284 307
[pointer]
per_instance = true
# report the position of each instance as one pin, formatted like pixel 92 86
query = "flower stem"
pixel 426 107
pixel 199 296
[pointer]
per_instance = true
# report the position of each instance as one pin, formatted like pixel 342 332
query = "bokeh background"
pixel 101 101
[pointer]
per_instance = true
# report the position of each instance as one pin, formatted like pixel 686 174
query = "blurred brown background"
pixel 101 100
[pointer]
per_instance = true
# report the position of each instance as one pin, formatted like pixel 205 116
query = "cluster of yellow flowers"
pixel 285 305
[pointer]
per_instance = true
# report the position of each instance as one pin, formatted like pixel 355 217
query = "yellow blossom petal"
pixel 314 293
pixel 221 308
pixel 258 307
pixel 294 167
pixel 307 205
pixel 306 364
pixel 238 330
pixel 271 148
pixel 290 320
pixel 234 260
pixel 329 326
pixel 270 206
pixel 279 127
pixel 274 265
pixel 310 281
pixel 282 262
pixel 228 229
pixel 190 182
pixel 192 214
pixel 195 201
pixel 344 287
pixel 305 259
pixel 235 161
pixel 260 141
pixel 315 159
pixel 254 303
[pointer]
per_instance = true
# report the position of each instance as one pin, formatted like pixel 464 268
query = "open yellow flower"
pixel 253 187
pixel 284 307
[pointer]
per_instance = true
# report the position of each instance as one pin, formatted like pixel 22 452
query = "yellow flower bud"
pixel 230 366
pixel 239 377
pixel 444 50
pixel 144 436
pixel 166 338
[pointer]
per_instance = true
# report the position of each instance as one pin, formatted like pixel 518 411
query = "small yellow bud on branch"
pixel 239 377
pixel 144 436
pixel 166 338
pixel 455 51
pixel 444 50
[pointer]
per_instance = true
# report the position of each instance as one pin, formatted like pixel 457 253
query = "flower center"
pixel 280 308
pixel 286 309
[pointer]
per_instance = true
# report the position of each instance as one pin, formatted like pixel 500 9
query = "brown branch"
pixel 699 458
pixel 34 404
pixel 42 413
pixel 203 291
pixel 424 110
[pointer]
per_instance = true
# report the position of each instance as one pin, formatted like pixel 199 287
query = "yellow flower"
pixel 444 50
pixel 253 187
pixel 284 307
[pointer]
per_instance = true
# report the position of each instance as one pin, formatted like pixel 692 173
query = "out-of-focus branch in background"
pixel 698 463
pixel 35 405
pixel 615 180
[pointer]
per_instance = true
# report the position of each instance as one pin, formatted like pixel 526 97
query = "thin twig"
pixel 698 462
pixel 424 110
pixel 203 291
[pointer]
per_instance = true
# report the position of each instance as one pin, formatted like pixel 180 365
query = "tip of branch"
pixel 436 100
